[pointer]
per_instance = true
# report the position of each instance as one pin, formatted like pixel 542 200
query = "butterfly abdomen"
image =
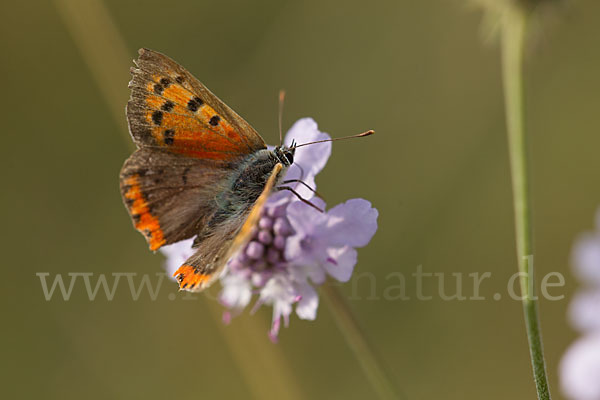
pixel 240 191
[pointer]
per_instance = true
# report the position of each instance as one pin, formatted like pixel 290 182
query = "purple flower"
pixel 586 255
pixel 176 254
pixel 580 369
pixel 325 242
pixel 309 159
pixel 295 247
pixel 584 310
pixel 580 366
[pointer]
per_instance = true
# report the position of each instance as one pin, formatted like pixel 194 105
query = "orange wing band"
pixel 189 279
pixel 144 221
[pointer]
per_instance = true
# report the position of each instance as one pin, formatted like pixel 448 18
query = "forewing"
pixel 169 196
pixel 169 108
pixel 214 250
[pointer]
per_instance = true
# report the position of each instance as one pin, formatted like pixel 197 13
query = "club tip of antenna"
pixel 367 133
pixel 281 94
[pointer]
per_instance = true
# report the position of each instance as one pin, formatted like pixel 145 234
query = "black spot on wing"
pixel 168 136
pixel 184 178
pixel 214 121
pixel 167 106
pixel 157 117
pixel 194 104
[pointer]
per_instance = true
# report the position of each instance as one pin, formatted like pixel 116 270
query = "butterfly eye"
pixel 290 157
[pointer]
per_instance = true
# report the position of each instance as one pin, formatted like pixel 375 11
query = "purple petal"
pixel 255 250
pixel 304 219
pixel 274 330
pixel 307 251
pixel 176 254
pixel 344 260
pixel 293 247
pixel 314 157
pixel 279 242
pixel 259 279
pixel 236 291
pixel 311 158
pixel 282 227
pixel 276 204
pixel 265 223
pixel 586 258
pixel 236 264
pixel 584 310
pixel 242 256
pixel 294 172
pixel 315 273
pixel 580 369
pixel 306 268
pixel 265 237
pixel 306 308
pixel 352 223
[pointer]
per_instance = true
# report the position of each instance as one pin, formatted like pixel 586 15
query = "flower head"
pixel 499 14
pixel 294 247
pixel 580 369
pixel 580 366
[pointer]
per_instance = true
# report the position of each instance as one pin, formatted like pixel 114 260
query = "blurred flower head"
pixel 294 247
pixel 580 366
pixel 498 12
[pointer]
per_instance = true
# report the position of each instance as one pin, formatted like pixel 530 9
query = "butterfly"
pixel 199 170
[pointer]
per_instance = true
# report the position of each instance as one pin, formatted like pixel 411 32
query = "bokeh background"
pixel 419 73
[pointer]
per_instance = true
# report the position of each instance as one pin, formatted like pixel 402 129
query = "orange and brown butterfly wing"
pixel 189 142
pixel 214 250
pixel 169 197
pixel 171 109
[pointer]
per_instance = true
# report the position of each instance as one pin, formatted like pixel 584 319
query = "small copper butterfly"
pixel 199 170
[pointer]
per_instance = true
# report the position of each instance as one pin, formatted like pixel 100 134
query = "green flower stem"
pixel 513 46
pixel 355 337
pixel 262 365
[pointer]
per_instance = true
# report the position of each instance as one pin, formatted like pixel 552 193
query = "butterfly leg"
pixel 302 199
pixel 301 170
pixel 305 185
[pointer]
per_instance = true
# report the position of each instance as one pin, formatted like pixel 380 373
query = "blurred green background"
pixel 418 73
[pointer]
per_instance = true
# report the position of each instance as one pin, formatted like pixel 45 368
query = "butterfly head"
pixel 285 154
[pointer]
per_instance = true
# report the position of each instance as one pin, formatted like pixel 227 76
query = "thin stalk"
pixel 103 51
pixel 368 358
pixel 513 46
pixel 256 357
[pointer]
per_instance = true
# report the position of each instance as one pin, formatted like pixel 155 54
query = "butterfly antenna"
pixel 367 133
pixel 281 99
